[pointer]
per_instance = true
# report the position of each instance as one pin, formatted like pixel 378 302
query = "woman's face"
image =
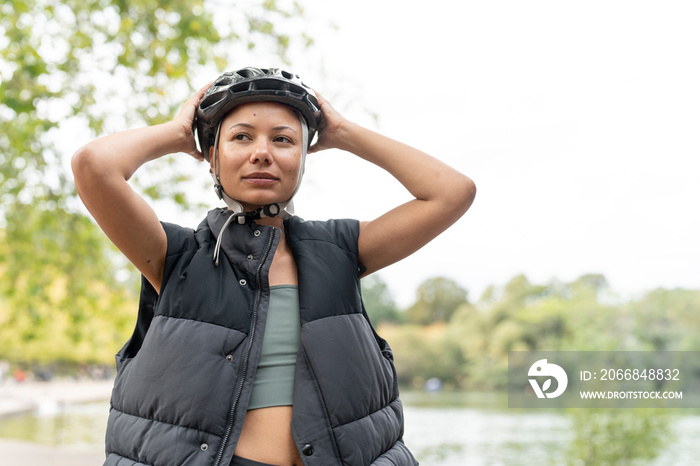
pixel 259 154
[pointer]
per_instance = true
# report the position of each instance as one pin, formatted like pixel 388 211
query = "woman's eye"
pixel 240 137
pixel 283 139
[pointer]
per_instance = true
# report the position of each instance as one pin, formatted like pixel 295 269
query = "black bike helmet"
pixel 253 85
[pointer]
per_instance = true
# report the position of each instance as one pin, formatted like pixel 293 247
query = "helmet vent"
pixel 272 85
pixel 240 87
pixel 246 73
pixel 223 81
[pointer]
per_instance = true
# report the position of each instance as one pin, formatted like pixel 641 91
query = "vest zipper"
pixel 244 370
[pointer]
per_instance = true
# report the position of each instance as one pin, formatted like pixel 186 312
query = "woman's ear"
pixel 211 160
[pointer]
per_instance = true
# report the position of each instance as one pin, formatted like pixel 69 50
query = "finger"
pixel 198 96
pixel 318 146
pixel 198 155
pixel 314 148
pixel 204 90
pixel 190 108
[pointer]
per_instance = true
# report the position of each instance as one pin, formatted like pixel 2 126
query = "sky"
pixel 578 121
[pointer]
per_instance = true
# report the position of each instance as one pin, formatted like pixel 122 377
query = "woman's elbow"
pixel 462 193
pixel 80 160
pixel 85 167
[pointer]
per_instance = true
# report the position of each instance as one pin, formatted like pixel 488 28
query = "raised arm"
pixel 102 169
pixel 442 194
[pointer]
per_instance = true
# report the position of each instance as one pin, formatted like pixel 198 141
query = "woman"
pixel 252 344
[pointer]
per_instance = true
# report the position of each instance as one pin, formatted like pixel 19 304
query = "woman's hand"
pixel 330 131
pixel 185 120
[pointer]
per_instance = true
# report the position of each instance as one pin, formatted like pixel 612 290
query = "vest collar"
pixel 243 244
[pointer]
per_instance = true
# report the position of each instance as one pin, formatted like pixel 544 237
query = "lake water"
pixel 443 429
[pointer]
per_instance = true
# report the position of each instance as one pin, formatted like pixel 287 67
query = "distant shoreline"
pixel 18 398
pixel 23 397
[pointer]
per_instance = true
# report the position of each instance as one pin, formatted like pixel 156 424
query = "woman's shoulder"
pixel 181 238
pixel 343 232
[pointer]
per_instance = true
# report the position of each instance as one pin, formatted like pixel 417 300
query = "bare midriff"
pixel 267 437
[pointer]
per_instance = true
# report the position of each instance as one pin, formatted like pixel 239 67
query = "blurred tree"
pixel 469 333
pixel 103 66
pixel 471 349
pixel 591 283
pixel 665 320
pixel 607 437
pixel 109 64
pixel 515 295
pixel 594 317
pixel 522 316
pixel 423 352
pixel 60 300
pixel 436 300
pixel 380 305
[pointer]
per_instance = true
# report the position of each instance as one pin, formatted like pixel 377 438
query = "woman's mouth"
pixel 260 179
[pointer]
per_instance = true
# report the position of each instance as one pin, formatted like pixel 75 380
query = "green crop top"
pixel 274 380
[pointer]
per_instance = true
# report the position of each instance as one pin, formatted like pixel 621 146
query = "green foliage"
pixel 666 320
pixel 378 300
pixel 109 64
pixel 101 66
pixel 471 348
pixel 421 353
pixel 60 301
pixel 470 351
pixel 607 437
pixel 436 300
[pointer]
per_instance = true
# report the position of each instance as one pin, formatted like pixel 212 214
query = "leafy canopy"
pixel 101 66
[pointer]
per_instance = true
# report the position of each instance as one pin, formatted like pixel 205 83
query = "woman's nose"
pixel 261 151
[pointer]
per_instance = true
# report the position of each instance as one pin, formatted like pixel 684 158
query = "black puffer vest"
pixel 185 377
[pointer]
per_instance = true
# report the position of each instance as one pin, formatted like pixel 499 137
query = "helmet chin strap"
pixel 285 208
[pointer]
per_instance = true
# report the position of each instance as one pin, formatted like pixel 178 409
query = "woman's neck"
pixel 276 222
